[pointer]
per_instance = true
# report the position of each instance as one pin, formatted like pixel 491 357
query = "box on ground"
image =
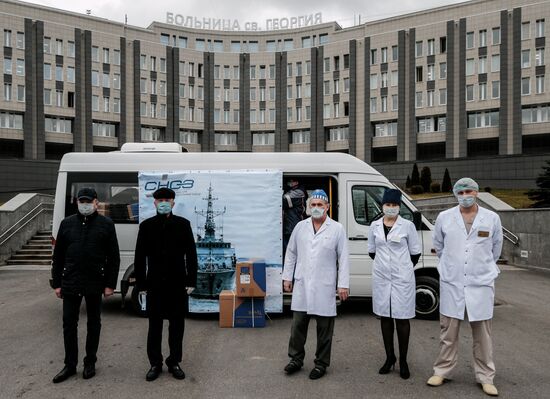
pixel 250 278
pixel 241 312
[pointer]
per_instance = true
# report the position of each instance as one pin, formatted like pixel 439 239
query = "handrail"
pixel 22 219
pixel 514 239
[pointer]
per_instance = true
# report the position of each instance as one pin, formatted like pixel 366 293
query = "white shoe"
pixel 490 389
pixel 435 381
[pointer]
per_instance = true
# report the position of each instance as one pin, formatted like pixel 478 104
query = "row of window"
pixel 535 114
pixel 19 39
pixel 19 94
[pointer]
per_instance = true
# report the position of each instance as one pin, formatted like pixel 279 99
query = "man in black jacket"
pixel 85 265
pixel 294 207
pixel 166 268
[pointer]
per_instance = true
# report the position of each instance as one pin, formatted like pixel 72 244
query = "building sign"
pixel 235 25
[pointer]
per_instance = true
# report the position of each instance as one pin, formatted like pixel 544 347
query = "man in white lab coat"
pixel 468 242
pixel 317 261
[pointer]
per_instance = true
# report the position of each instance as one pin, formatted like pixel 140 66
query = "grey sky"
pixel 143 12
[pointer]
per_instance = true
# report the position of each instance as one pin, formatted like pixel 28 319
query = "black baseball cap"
pixel 86 193
pixel 164 193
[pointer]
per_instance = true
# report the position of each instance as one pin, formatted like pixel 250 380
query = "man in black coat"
pixel 294 207
pixel 85 265
pixel 166 268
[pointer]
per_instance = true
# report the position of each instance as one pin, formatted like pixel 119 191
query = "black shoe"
pixel 176 371
pixel 64 374
pixel 388 365
pixel 153 373
pixel 292 367
pixel 317 373
pixel 89 371
pixel 404 369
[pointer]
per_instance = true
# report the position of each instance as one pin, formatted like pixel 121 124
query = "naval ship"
pixel 216 258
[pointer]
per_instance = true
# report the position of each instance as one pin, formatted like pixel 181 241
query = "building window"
pixel 10 120
pixel 346 61
pixel 346 85
pixel 394 102
pixel 298 114
pixel 116 57
pixel 469 92
pixel 337 85
pixel 71 49
pixel 265 138
pixel 106 104
pixel 535 114
pixel 525 30
pixel 151 133
pixel 326 111
pixel 373 82
pixel 47 95
pixel 70 74
pixel 483 91
pixel 336 110
pixel 385 129
pixel 338 133
pixel 383 79
pixel 470 66
pixel 443 44
pixel 95 54
pixel 496 35
pixel 153 86
pixel 289 114
pixel 419 99
pixel 483 38
pixel 95 78
pixel 495 63
pixel 163 65
pixel 384 55
pixel 182 42
pixel 300 137
pixel 47 71
pixel 525 86
pixel 95 103
pixel 20 93
pixel 58 125
pixel 539 84
pixel 539 56
pixel 116 81
pixel 430 98
pixel 482 64
pixel 431 124
pixel 154 110
pixel 383 104
pixel 431 46
pixel 431 72
pixel 394 53
pixel 373 105
pixel 442 96
pixel 252 116
pixel 525 58
pixel 143 109
pixel 59 98
pixel 106 80
pixel 106 56
pixel 143 62
pixel 288 44
pixel 373 57
pixel 419 77
pixel 394 78
pixel 539 28
pixel 418 48
pixel 20 40
pixel 470 40
pixel 225 138
pixel 252 94
pixel 323 38
pixel 7 66
pixel 326 64
pixel 187 137
pixel 483 119
pixel 142 85
pixel 495 91
pixel 116 105
pixel 162 88
pixel 47 44
pixel 298 70
pixel 7 38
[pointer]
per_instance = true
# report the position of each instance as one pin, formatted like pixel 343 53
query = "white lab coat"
pixel 319 263
pixel 467 263
pixel 393 282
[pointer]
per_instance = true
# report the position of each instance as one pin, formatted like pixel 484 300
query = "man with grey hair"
pixel 468 242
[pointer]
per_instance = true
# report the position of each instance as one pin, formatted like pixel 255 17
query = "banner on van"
pixel 235 215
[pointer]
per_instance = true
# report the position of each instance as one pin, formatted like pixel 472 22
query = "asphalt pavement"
pixel 248 363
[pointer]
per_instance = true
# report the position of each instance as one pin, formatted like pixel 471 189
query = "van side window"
pixel 367 204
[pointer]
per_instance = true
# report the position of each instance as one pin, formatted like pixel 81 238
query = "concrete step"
pixel 41 251
pixel 40 241
pixel 28 262
pixel 31 257
pixel 38 246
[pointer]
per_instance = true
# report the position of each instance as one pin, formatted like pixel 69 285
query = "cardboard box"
pixel 250 278
pixel 241 312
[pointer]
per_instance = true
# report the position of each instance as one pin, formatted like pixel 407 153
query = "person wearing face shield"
pixel 318 260
pixel 165 267
pixel 468 242
pixel 394 246
pixel 85 264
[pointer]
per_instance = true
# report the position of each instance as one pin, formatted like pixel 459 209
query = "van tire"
pixel 427 298
pixel 136 307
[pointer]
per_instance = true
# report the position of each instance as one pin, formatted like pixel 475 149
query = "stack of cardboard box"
pixel 244 306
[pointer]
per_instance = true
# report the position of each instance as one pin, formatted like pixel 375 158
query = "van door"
pixel 363 204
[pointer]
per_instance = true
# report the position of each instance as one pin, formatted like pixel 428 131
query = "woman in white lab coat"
pixel 394 245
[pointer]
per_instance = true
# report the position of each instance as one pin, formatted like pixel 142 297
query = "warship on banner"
pixel 216 258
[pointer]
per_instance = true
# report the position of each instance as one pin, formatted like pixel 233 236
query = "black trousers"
pixel 71 312
pixel 176 328
pixel 298 336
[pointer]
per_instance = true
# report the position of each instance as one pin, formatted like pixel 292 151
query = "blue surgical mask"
pixel 466 201
pixel 317 213
pixel 164 208
pixel 390 211
pixel 86 208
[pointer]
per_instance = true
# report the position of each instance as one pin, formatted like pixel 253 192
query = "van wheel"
pixel 136 307
pixel 427 298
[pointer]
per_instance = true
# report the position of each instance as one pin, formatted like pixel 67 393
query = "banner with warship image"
pixel 234 215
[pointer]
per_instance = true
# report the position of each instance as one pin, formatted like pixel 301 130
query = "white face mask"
pixel 86 208
pixel 317 213
pixel 390 211
pixel 466 201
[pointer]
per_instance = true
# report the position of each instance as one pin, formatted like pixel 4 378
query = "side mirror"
pixel 417 220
